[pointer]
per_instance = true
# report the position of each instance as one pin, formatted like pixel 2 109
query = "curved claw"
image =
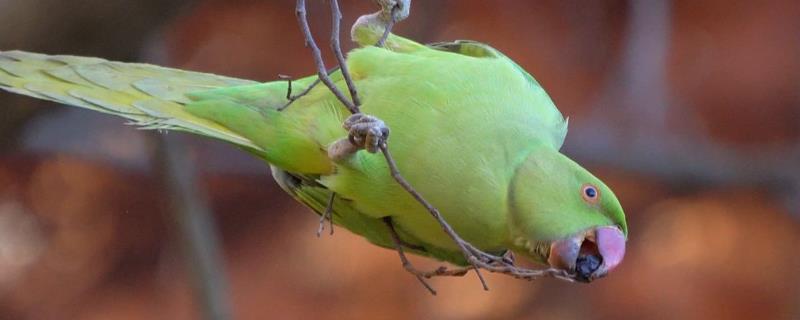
pixel 396 10
pixel 400 10
pixel 371 26
pixel 366 132
pixel 363 132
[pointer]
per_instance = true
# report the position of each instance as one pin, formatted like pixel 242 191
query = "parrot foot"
pixel 419 274
pixel 364 132
pixel 326 215
pixel 392 11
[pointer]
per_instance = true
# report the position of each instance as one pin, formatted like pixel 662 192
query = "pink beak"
pixel 591 254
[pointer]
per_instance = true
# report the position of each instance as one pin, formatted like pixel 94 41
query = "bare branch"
pixel 337 50
pixel 292 98
pixel 386 31
pixel 406 264
pixel 477 258
pixel 421 275
pixel 463 245
pixel 300 11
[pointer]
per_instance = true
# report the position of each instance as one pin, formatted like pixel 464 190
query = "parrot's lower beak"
pixel 591 254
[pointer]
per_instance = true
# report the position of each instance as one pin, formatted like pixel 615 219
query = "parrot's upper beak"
pixel 591 254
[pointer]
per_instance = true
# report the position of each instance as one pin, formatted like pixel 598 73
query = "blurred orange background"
pixel 690 110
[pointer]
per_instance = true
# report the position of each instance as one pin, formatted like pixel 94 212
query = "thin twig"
pixel 292 98
pixel 421 275
pixel 469 251
pixel 336 18
pixel 406 263
pixel 288 85
pixel 386 31
pixel 327 214
pixel 300 11
pixel 433 211
pixel 336 46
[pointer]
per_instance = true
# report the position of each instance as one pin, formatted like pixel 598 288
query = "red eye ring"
pixel 590 193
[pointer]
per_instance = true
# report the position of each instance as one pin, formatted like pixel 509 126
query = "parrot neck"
pixel 531 183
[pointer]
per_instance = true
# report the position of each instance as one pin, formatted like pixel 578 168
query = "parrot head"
pixel 566 217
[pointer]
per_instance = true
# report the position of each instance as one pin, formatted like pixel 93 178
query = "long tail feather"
pixel 150 96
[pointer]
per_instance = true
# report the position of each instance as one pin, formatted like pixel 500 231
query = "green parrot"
pixel 471 131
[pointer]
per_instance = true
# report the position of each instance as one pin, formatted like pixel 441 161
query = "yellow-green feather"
pixel 149 96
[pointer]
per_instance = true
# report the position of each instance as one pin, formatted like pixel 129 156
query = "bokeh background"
pixel 690 110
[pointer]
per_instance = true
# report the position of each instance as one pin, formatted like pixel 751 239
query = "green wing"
pixel 558 125
pixel 307 190
pixel 553 123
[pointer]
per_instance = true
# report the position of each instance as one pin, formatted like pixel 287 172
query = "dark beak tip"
pixel 586 267
pixel 590 263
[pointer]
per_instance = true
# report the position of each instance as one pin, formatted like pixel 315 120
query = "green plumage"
pixel 471 131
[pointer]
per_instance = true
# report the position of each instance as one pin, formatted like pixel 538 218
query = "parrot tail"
pixel 151 97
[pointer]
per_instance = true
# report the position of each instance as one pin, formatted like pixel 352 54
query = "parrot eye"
pixel 590 193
